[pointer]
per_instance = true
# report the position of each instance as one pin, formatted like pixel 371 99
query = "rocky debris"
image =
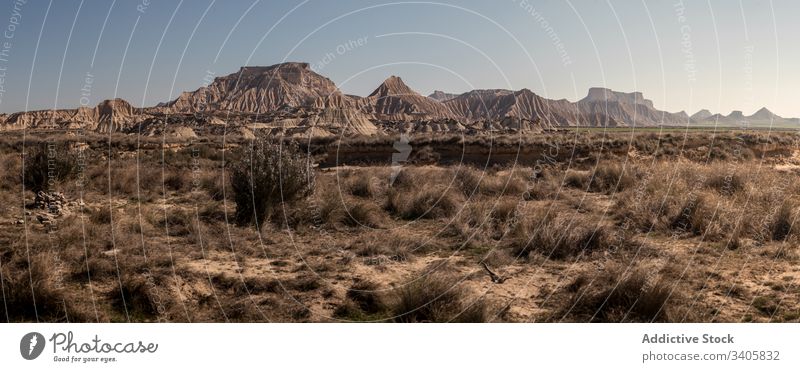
pixel 52 204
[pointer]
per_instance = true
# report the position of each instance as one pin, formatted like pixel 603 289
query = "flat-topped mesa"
pixel 279 66
pixel 604 94
pixel 263 90
pixel 736 115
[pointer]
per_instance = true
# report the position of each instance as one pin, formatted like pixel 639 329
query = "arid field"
pixel 577 226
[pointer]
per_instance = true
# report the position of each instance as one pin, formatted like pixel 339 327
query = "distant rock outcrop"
pixel 701 115
pixel 394 100
pixel 440 96
pixel 108 116
pixel 263 90
pixel 291 99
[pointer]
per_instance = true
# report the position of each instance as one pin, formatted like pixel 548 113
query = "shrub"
pixel 615 296
pixel 363 302
pixel 557 237
pixel 436 297
pixel 781 224
pixel 362 214
pixel 428 203
pixel 610 178
pixel 139 297
pixel 362 186
pixel 725 183
pixel 46 164
pixel 31 293
pixel 269 172
pixel 577 179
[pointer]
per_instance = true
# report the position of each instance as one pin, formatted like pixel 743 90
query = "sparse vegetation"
pixel 146 231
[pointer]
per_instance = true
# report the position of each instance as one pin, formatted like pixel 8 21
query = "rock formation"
pixel 291 99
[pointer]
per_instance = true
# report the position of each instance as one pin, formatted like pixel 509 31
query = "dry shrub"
pixel 33 292
pixel 178 222
pixel 559 237
pixel 46 164
pixel 431 203
pixel 362 185
pixel 724 181
pixel 577 179
pixel 303 283
pixel 397 247
pixel 363 302
pixel 214 185
pixel 130 179
pixel 175 180
pixel 617 295
pixel 12 169
pixel 136 297
pixel 781 225
pixel 610 177
pixel 101 215
pixel 362 215
pixel 437 298
pixel 269 173
pixel 606 178
pixel 471 181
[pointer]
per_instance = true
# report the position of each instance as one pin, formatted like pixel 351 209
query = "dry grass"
pixel 152 241
pixel 617 295
pixel 437 297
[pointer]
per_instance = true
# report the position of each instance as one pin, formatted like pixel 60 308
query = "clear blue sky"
pixel 742 55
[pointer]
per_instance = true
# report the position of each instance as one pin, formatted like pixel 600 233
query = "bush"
pixel 437 298
pixel 269 172
pixel 362 214
pixel 31 293
pixel 46 164
pixel 363 302
pixel 781 224
pixel 137 297
pixel 430 203
pixel 362 186
pixel 558 237
pixel 616 296
pixel 610 178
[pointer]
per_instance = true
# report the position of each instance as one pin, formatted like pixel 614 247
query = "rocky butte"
pixel 291 99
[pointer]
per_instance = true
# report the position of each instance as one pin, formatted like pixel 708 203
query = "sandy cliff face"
pixel 109 115
pixel 394 100
pixel 263 90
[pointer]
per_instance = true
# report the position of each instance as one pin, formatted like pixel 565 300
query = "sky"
pixel 720 55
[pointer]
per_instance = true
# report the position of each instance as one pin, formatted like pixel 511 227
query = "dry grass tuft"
pixel 617 295
pixel 437 297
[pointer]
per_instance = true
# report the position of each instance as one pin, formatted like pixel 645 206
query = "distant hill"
pixel 290 98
